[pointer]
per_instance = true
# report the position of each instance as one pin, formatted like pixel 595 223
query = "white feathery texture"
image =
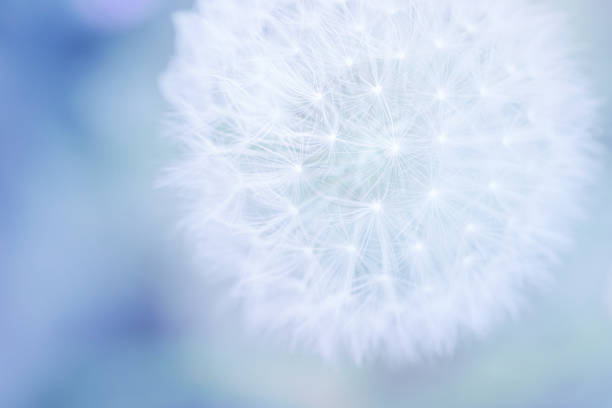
pixel 397 170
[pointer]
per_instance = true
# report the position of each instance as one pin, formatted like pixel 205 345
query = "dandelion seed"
pixel 376 207
pixel 442 138
pixel 439 43
pixel 394 148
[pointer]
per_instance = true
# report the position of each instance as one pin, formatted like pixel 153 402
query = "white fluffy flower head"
pixel 397 169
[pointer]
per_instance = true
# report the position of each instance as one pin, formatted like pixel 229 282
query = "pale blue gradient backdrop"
pixel 100 305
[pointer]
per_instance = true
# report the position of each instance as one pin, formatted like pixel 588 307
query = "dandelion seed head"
pixel 367 185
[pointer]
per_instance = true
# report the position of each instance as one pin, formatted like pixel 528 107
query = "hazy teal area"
pixel 100 305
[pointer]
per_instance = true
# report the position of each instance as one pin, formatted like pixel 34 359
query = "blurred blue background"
pixel 101 307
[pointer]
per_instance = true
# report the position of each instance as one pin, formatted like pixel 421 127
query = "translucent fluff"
pixel 395 170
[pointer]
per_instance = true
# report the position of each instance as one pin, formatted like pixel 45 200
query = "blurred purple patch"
pixel 113 14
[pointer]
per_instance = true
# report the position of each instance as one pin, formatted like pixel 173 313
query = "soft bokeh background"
pixel 101 307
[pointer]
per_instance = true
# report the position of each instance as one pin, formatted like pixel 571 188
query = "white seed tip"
pixel 439 43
